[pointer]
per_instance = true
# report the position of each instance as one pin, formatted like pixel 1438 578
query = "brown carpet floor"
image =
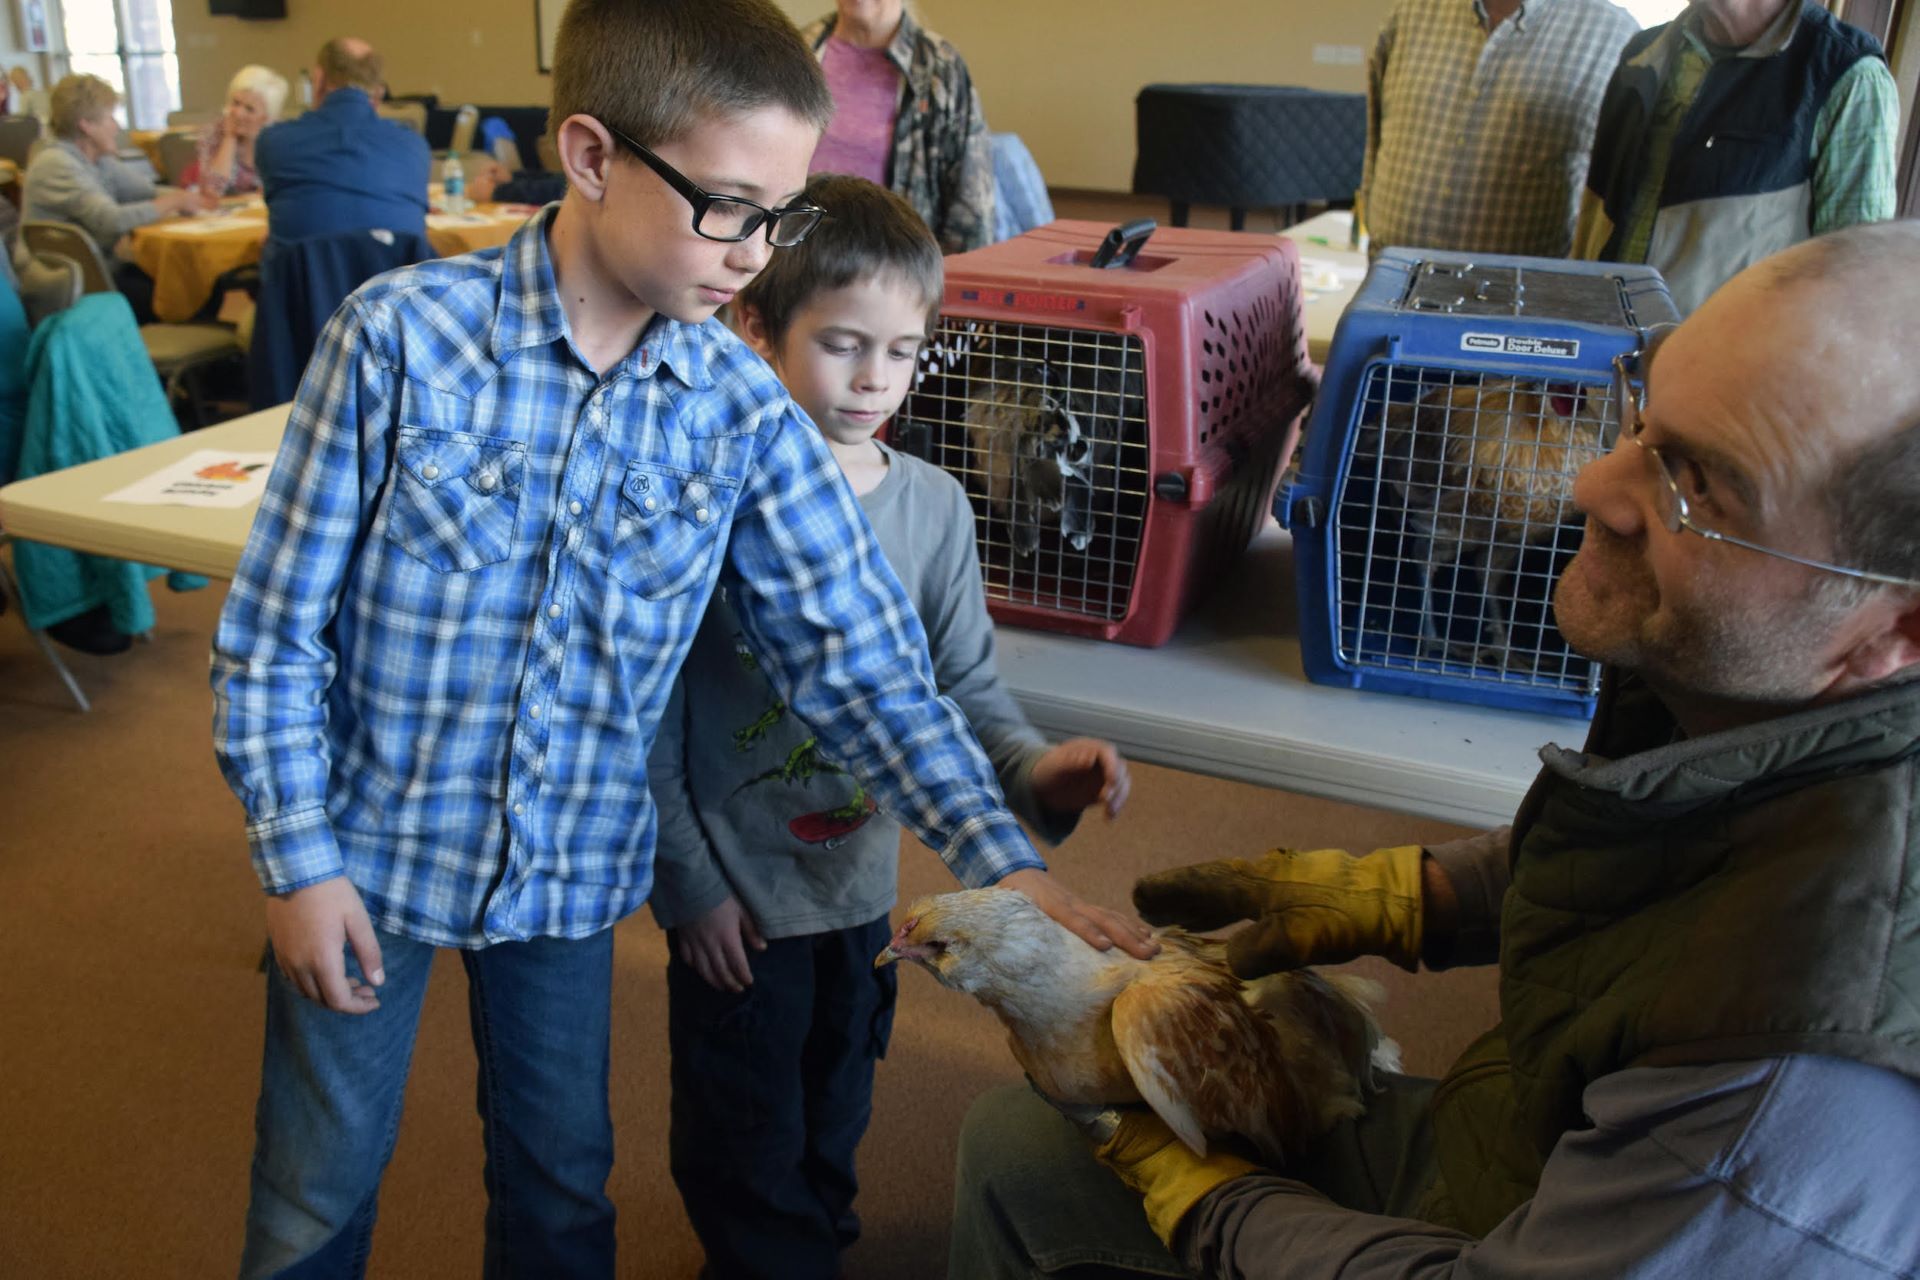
pixel 130 1009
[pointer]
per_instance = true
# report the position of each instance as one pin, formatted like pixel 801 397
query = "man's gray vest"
pixel 1744 895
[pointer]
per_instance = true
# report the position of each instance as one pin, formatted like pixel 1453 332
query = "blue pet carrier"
pixel 1432 509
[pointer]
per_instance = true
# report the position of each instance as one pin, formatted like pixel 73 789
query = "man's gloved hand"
pixel 1149 1158
pixel 1319 907
pixel 1144 1153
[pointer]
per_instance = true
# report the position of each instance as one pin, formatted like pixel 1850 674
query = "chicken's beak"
pixel 897 949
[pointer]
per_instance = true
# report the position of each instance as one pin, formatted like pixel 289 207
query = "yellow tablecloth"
pixel 186 255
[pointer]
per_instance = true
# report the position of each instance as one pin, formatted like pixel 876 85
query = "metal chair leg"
pixel 11 588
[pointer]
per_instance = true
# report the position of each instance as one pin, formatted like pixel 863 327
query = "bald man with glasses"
pixel 1707 920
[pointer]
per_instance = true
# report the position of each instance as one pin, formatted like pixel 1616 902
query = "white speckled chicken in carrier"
pixel 1432 511
pixel 1118 410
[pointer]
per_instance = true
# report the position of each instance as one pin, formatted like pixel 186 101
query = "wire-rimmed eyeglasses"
pixel 1675 512
pixel 729 218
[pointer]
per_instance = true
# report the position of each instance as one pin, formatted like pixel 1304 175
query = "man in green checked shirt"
pixel 1739 128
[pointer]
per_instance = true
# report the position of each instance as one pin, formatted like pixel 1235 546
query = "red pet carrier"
pixel 1119 427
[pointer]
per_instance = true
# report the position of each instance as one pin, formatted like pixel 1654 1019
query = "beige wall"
pixel 1061 73
pixel 474 51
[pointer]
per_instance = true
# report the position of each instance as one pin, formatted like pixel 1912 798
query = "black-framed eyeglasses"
pixel 1675 513
pixel 729 218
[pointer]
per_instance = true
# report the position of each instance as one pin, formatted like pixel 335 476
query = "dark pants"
pixel 137 287
pixel 772 1090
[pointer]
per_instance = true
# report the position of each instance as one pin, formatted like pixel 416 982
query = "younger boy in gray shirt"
pixel 773 870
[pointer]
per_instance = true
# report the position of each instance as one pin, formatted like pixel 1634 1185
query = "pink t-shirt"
pixel 866 93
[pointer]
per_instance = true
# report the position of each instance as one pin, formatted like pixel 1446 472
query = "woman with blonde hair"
pixel 79 178
pixel 255 98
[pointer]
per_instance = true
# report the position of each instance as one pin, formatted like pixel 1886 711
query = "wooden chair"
pixel 178 151
pixel 48 284
pixel 17 136
pixel 181 353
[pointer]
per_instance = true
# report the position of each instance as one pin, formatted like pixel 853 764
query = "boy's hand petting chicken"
pixel 1081 772
pixel 715 946
pixel 1096 926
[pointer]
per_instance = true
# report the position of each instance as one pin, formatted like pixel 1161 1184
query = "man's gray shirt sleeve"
pixel 1794 1166
pixel 1478 869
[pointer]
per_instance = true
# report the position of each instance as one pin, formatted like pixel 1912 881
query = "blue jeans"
pixel 330 1091
pixel 772 1091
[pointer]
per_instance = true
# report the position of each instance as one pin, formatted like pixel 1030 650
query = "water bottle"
pixel 453 184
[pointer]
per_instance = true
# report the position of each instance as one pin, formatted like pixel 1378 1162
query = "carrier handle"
pixel 1122 243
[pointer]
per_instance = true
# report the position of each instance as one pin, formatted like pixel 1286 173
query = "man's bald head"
pixel 1853 299
pixel 1786 413
pixel 350 62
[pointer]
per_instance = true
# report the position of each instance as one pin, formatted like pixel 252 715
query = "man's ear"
pixel 586 153
pixel 752 327
pixel 1890 648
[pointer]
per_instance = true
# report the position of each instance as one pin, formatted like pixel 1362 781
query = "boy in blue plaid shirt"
pixel 509 486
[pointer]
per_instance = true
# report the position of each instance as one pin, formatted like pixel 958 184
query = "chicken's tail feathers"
pixel 1364 992
pixel 1384 1051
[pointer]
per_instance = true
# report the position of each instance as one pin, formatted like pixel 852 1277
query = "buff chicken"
pixel 1274 1062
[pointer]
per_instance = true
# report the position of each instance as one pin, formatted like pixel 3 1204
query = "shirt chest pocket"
pixel 666 528
pixel 456 498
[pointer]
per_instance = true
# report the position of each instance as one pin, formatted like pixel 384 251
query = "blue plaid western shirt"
pixel 477 568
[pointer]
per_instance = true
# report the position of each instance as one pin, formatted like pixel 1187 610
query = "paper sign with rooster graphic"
pixel 204 478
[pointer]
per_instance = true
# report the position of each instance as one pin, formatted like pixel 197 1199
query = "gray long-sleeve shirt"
pixel 748 808
pixel 106 198
pixel 1799 1166
pixel 1788 1166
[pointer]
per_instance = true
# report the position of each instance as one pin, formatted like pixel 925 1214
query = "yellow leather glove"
pixel 1148 1158
pixel 1319 907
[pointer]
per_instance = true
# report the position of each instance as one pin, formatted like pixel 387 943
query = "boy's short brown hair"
pixel 654 68
pixel 78 98
pixel 869 231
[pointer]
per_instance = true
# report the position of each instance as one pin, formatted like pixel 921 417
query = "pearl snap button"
pixel 430 471
pixel 553 611
pixel 519 809
pixel 701 515
pixel 649 504
pixel 534 711
pixel 574 507
pixel 486 480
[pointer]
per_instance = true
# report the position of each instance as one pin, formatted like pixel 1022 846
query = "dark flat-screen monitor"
pixel 249 8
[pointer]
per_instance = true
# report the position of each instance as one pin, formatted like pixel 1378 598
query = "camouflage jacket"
pixel 942 159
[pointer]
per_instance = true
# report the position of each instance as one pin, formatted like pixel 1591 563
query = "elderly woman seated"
pixel 78 178
pixel 224 165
